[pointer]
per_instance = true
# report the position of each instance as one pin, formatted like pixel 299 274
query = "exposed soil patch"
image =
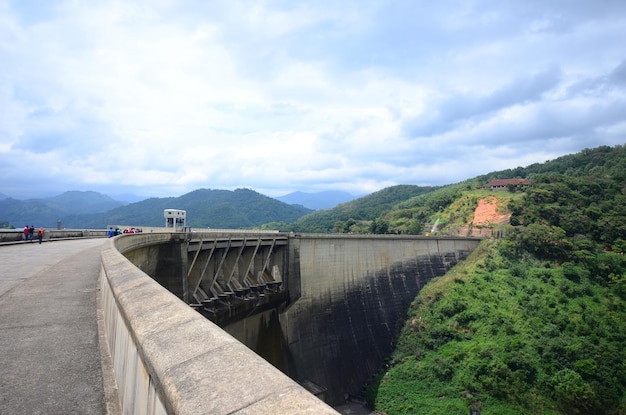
pixel 487 213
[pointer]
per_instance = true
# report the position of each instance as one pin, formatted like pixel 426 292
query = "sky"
pixel 161 97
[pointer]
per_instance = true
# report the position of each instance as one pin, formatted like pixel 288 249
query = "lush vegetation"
pixel 414 210
pixel 356 216
pixel 534 323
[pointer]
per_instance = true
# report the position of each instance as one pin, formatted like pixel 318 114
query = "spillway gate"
pixel 230 278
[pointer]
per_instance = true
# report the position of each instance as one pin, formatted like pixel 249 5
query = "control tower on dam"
pixel 326 309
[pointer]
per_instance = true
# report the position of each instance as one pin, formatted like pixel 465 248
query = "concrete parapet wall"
pixel 168 359
pixel 16 235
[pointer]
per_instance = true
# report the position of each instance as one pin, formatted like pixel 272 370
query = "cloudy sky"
pixel 161 97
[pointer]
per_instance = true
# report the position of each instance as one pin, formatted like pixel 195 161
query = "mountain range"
pixel 396 209
pixel 240 208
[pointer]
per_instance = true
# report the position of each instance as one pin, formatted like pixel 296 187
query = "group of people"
pixel 117 231
pixel 29 233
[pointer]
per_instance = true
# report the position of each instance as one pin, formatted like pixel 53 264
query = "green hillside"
pixel 46 212
pixel 355 216
pixel 206 208
pixel 19 213
pixel 532 323
pixel 408 209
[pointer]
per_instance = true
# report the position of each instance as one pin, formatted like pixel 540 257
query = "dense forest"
pixel 533 322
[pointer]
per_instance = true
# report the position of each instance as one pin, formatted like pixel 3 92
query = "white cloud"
pixel 162 97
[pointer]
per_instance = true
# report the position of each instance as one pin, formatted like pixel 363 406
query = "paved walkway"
pixel 50 358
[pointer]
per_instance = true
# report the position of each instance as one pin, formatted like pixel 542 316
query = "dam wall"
pixel 348 299
pixel 345 302
pixel 169 359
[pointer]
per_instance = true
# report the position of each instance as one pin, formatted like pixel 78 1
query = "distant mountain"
pixel 206 208
pixel 3 196
pixel 75 202
pixel 47 211
pixel 319 200
pixel 20 213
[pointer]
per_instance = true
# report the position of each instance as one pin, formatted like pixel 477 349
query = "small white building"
pixel 175 218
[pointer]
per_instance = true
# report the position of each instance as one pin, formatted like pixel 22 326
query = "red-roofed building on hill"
pixel 504 184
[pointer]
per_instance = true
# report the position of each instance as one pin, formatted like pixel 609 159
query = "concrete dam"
pixel 325 309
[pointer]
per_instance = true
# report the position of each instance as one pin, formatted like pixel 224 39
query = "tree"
pixel 414 227
pixel 379 226
pixel 547 242
pixel 570 390
pixel 348 225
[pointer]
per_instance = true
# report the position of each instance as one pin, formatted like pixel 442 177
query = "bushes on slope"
pixel 535 323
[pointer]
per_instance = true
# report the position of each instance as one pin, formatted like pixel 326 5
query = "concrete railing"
pixel 168 359
pixel 17 235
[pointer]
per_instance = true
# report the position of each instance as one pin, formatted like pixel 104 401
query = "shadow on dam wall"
pixel 348 302
pixel 352 336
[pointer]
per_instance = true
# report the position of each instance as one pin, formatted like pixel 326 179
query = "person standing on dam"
pixel 40 235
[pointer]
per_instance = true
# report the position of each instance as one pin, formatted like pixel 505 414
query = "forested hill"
pixel 209 208
pixel 47 211
pixel 348 217
pixel 534 322
pixel 241 208
pixel 600 161
pixel 412 209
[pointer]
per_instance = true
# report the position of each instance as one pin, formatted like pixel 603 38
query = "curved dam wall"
pixel 168 359
pixel 348 298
